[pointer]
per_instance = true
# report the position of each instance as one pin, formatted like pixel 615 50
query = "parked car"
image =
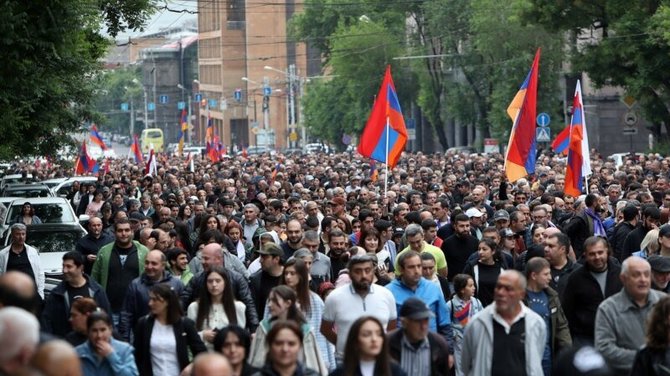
pixel 15 178
pixel 52 241
pixel 27 190
pixel 64 187
pixel 53 182
pixel 255 150
pixel 49 210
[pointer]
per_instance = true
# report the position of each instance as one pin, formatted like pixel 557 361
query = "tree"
pixel 116 87
pixel 49 66
pixel 617 43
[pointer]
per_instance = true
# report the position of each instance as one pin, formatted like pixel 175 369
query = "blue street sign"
pixel 151 106
pixel 124 106
pixel 212 103
pixel 267 91
pixel 543 134
pixel 543 119
pixel 181 105
pixel 238 95
pixel 198 97
pixel 163 99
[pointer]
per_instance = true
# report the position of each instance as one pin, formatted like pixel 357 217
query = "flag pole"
pixel 386 172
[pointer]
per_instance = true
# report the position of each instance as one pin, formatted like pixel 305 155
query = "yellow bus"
pixel 149 137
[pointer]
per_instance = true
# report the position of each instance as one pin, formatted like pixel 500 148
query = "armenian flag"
pixel 137 152
pixel 84 164
pixel 562 141
pixel 374 173
pixel 182 130
pixel 579 160
pixel 96 138
pixel 385 135
pixel 520 158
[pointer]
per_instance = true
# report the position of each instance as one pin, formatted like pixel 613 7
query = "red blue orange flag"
pixel 183 127
pixel 520 158
pixel 137 152
pixel 96 138
pixel 84 163
pixel 579 161
pixel 562 140
pixel 374 173
pixel 385 135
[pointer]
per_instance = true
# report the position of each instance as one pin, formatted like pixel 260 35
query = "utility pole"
pixel 132 116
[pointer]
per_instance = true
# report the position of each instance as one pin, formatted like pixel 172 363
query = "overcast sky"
pixel 163 18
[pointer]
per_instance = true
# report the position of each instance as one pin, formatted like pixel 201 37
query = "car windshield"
pixel 26 192
pixel 47 213
pixel 56 241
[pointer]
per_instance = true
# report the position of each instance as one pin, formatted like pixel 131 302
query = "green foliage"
pixel 618 43
pixel 116 87
pixel 48 68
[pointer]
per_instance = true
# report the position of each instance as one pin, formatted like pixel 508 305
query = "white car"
pixel 64 187
pixel 47 209
pixel 15 178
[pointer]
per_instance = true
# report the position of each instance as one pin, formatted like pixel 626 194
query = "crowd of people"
pixel 307 265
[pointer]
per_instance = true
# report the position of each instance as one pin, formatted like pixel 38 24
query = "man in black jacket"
pixel 587 287
pixel 212 255
pixel 90 244
pixel 621 230
pixel 651 217
pixel 459 246
pixel 75 284
pixel 409 343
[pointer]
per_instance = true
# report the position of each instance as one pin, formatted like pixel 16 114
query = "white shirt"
pixel 163 351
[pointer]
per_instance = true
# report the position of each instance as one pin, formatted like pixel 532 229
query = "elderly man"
pixel 90 244
pixel 660 273
pixel 23 258
pixel 621 318
pixel 19 336
pixel 506 338
pixel 415 239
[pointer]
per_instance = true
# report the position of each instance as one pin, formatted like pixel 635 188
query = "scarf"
pixel 598 228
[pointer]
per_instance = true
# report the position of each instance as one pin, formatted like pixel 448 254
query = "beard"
pixel 360 286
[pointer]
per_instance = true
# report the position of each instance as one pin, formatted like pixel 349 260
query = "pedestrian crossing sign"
pixel 543 134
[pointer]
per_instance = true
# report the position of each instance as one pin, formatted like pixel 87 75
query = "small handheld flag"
pixel 96 138
pixel 579 161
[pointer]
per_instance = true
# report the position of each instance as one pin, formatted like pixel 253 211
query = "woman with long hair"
pixel 653 360
pixel 27 215
pixel 102 355
pixel 284 343
pixel 185 213
pixel 79 311
pixel 282 303
pixel 366 351
pixel 164 337
pixel 486 271
pixel 234 343
pixel 216 306
pixel 235 233
pixel 371 241
pixel 94 207
pixel 296 276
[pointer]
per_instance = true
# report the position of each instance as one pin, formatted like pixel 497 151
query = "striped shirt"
pixel 415 361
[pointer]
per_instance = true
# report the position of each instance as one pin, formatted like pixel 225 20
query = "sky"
pixel 164 18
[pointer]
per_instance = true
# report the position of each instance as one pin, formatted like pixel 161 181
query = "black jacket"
pixel 301 370
pixel 240 287
pixel 56 313
pixel 650 362
pixel 88 245
pixel 582 296
pixel 633 241
pixel 621 231
pixel 578 229
pixel 186 337
pixel 439 350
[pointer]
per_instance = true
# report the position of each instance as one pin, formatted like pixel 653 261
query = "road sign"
pixel 629 101
pixel 411 129
pixel 163 99
pixel 151 106
pixel 543 120
pixel 630 118
pixel 629 131
pixel 491 145
pixel 238 95
pixel 224 105
pixel 267 90
pixel 124 106
pixel 543 134
pixel 198 97
pixel 293 136
pixel 212 103
pixel 181 105
pixel 346 139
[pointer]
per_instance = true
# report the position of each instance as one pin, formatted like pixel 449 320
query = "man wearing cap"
pixel 91 243
pixel 418 350
pixel 660 273
pixel 501 219
pixel 506 337
pixel 476 221
pixel 620 324
pixel 264 280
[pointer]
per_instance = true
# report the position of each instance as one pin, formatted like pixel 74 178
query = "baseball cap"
pixel 473 212
pixel 271 249
pixel 664 230
pixel 659 263
pixel 415 309
pixel 501 215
